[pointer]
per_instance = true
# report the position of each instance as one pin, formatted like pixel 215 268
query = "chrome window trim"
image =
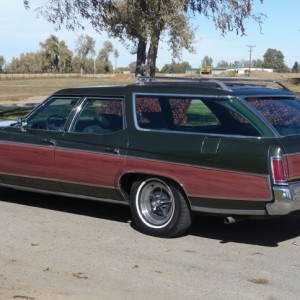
pixel 205 134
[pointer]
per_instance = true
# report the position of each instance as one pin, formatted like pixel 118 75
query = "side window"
pixel 99 116
pixel 149 113
pixel 53 115
pixel 176 114
pixel 280 112
pixel 191 114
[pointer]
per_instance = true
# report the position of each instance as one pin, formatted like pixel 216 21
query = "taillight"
pixel 279 170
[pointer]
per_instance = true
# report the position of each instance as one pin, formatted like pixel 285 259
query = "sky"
pixel 21 31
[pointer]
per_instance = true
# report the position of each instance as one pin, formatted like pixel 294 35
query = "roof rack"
pixel 221 83
pixel 237 81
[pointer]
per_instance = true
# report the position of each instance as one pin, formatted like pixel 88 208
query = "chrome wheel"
pixel 159 207
pixel 155 203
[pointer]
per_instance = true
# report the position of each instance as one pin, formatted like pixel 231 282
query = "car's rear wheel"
pixel 159 208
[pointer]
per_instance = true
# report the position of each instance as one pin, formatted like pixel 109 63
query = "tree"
pixel 258 63
pixel 2 63
pixel 55 55
pixel 103 63
pixel 176 67
pixel 295 69
pixel 223 64
pixel 66 55
pixel 132 67
pixel 274 59
pixel 85 49
pixel 26 63
pixel 206 61
pixel 124 23
pixel 50 54
pixel 116 56
pixel 122 19
pixel 240 63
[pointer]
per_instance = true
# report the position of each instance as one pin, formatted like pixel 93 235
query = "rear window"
pixel 283 114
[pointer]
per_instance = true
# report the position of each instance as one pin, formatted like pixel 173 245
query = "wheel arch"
pixel 127 180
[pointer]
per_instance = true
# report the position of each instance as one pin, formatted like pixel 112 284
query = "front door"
pixel 91 155
pixel 27 154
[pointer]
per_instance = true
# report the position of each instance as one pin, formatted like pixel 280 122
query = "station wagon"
pixel 169 148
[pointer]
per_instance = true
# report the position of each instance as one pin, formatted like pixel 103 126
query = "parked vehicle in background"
pixel 206 70
pixel 168 147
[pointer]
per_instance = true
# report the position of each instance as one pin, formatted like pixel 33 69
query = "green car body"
pixel 169 149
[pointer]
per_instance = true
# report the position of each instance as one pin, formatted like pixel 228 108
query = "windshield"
pixel 282 113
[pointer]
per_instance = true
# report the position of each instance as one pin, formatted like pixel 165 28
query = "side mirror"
pixel 22 123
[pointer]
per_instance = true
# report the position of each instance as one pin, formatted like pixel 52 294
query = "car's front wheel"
pixel 159 208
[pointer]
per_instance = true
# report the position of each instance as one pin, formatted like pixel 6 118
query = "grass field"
pixel 27 89
pixel 15 89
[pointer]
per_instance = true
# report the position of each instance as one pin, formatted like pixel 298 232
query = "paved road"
pixel 63 248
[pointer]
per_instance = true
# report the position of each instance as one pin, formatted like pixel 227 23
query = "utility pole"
pixel 250 50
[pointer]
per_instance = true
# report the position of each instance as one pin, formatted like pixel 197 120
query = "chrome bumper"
pixel 287 199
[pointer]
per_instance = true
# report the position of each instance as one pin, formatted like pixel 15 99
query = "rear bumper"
pixel 287 199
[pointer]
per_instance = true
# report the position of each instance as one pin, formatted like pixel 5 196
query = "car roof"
pixel 152 88
pixel 260 91
pixel 241 87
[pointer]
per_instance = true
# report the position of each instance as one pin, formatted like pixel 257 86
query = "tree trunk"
pixel 152 54
pixel 141 58
pixel 151 61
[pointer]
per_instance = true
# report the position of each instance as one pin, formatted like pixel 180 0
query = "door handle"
pixel 49 141
pixel 113 150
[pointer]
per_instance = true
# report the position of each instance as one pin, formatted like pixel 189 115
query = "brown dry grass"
pixel 31 90
pixel 24 90
pixel 291 80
